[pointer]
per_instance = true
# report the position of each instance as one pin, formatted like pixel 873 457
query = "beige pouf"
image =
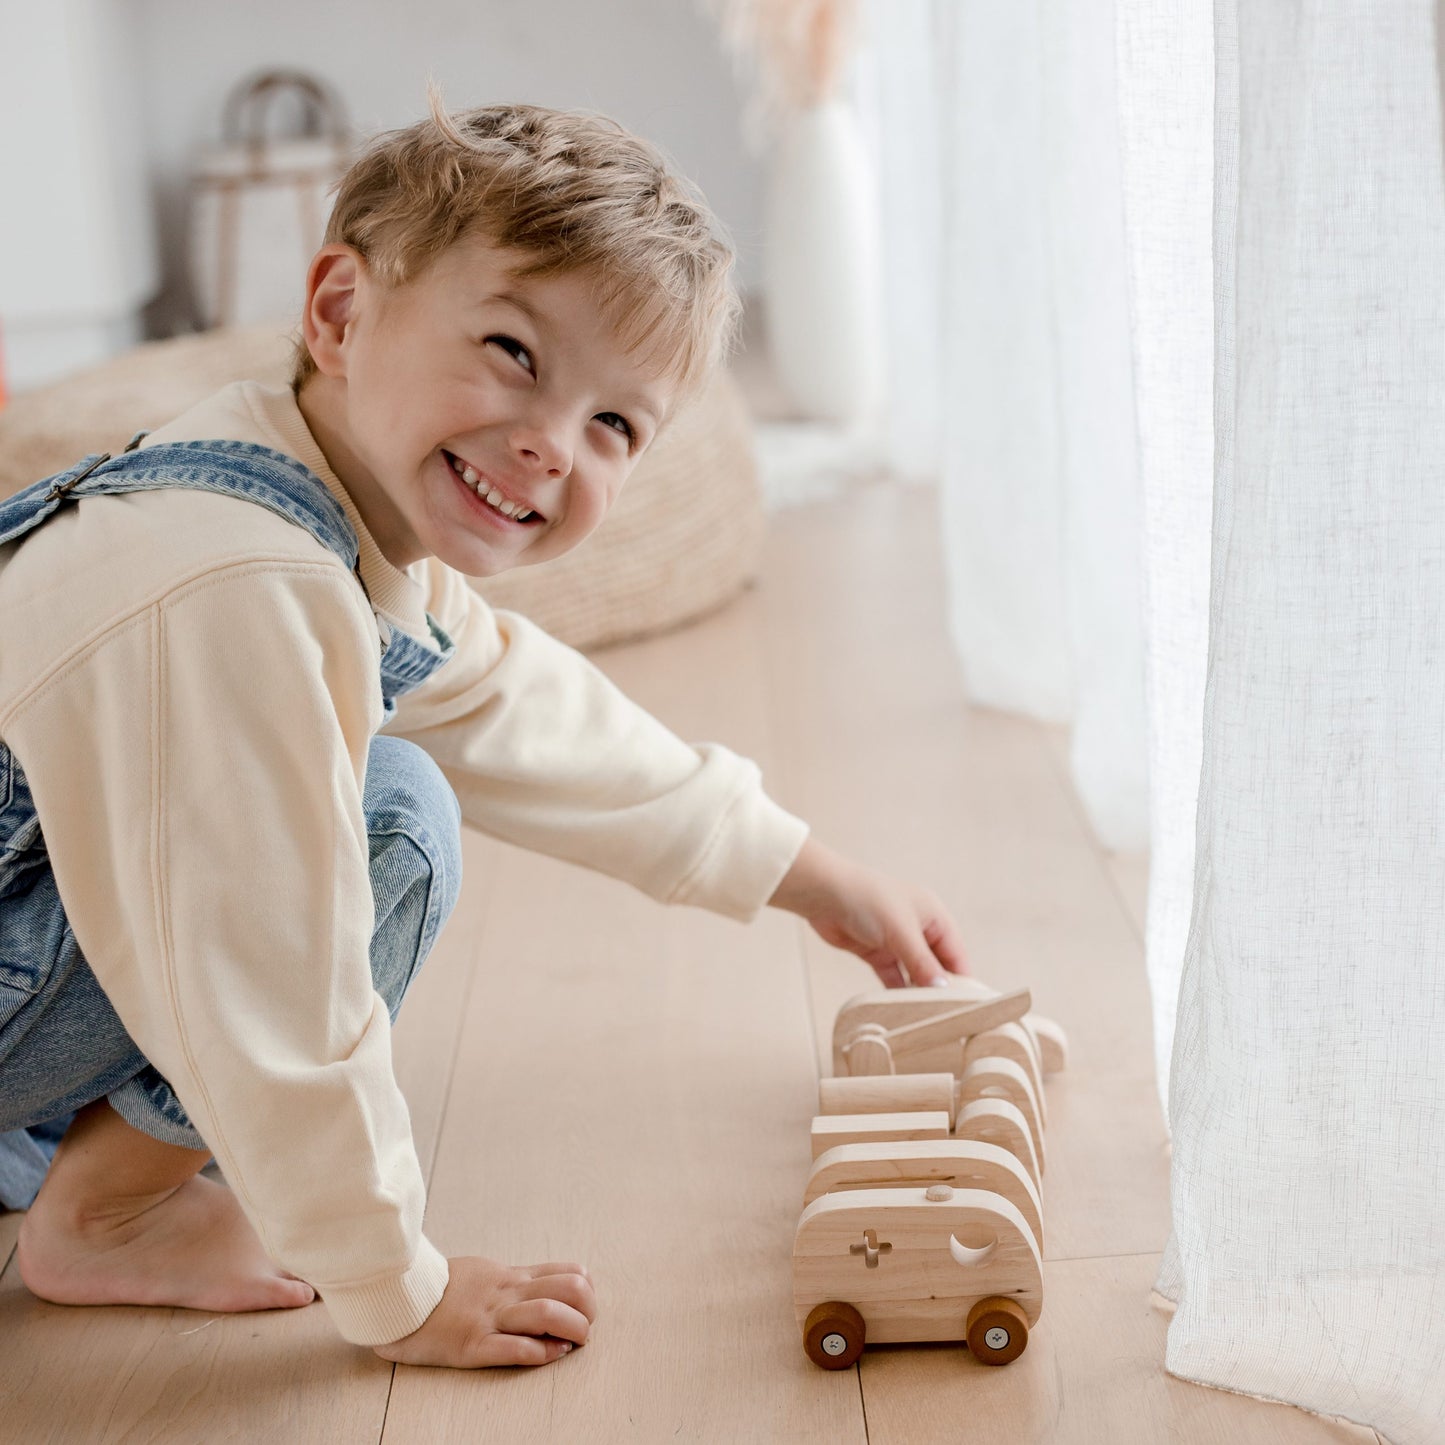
pixel 684 536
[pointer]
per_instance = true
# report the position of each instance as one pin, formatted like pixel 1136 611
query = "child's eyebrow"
pixel 648 408
pixel 513 298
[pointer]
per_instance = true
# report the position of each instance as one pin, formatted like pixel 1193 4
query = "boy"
pixel 239 871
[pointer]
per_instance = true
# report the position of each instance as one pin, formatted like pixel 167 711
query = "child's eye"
pixel 513 347
pixel 625 426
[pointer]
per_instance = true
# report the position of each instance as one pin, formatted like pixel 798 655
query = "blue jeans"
pixel 64 1046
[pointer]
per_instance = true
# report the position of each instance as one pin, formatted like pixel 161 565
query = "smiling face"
pixel 469 394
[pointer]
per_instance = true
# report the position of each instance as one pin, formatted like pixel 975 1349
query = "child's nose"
pixel 543 448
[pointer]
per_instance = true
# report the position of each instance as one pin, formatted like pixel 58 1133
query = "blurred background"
pixel 100 194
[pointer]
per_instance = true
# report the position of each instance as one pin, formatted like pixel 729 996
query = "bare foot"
pixel 194 1249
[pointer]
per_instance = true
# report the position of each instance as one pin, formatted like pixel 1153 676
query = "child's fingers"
pixel 545 1317
pixel 499 1349
pixel 557 1267
pixel 947 946
pixel 915 955
pixel 572 1289
pixel 886 965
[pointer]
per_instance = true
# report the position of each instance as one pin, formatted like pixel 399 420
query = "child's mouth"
pixel 501 509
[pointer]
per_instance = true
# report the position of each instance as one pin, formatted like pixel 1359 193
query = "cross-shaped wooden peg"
pixel 870 1249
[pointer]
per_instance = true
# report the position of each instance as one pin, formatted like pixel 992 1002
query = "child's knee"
pixel 414 824
pixel 404 785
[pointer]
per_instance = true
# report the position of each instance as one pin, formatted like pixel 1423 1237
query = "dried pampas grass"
pixel 794 52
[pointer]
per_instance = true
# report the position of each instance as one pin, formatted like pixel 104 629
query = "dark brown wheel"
pixel 997 1330
pixel 833 1335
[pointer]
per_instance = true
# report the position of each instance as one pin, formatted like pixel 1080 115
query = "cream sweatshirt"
pixel 190 684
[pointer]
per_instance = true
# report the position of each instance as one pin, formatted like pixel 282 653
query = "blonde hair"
pixel 572 190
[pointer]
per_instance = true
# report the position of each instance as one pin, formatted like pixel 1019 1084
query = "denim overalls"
pixel 61 1044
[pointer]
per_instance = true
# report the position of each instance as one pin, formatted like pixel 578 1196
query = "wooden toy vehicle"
pixel 922 1216
pixel 883 1266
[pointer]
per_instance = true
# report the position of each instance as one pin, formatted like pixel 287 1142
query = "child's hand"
pixel 904 932
pixel 498 1314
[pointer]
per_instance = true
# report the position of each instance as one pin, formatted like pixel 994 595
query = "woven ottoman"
pixel 684 536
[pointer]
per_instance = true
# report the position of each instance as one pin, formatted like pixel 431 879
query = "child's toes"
pixel 292 1293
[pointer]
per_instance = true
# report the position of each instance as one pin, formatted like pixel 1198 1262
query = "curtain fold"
pixel 1308 1082
pixel 1009 362
pixel 1166 126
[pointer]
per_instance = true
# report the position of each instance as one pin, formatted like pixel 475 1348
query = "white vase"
pixel 824 311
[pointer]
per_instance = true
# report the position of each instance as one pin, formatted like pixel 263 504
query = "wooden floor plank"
pixel 9 1230
pixel 153 1376
pixel 634 1092
pixel 1093 1374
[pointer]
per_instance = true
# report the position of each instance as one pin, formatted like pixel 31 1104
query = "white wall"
pixel 654 65
pixel 77 244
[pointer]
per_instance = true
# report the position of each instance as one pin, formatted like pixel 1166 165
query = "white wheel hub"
pixel 834 1344
pixel 995 1339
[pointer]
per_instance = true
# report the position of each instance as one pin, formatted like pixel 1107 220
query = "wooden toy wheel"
pixel 997 1331
pixel 833 1335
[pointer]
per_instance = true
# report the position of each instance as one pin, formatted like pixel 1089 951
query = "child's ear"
pixel 331 287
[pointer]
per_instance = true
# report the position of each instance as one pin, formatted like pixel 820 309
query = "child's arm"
pixel 903 931
pixel 546 752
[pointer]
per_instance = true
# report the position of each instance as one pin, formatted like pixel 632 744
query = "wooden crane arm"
pixel 959 1023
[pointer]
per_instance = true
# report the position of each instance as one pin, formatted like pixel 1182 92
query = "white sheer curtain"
pixel 1308 1093
pixel 1270 181
pixel 1010 372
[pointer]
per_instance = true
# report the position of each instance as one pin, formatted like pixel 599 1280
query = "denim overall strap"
pixel 237 469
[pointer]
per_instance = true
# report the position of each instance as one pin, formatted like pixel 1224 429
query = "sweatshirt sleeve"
pixel 546 752
pixel 198 775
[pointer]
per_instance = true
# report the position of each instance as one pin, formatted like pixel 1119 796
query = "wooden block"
pixel 867 1053
pixel 830 1130
pixel 897 1006
pixel 888 1094
pixel 997 1121
pixel 958 1023
pixel 1010 1041
pixel 961 1163
pixel 995 1078
pixel 911 1265
pixel 1051 1041
pixel 917 1046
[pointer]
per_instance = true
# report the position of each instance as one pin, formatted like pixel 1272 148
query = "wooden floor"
pixel 592 1075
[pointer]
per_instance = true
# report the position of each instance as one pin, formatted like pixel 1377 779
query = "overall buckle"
pixel 61 488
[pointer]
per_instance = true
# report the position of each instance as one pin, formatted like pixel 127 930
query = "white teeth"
pixel 507 508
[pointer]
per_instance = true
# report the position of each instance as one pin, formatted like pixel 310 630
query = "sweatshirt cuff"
pixel 389 1308
pixel 746 858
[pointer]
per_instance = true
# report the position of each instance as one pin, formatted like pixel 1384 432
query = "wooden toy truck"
pixel 922 1217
